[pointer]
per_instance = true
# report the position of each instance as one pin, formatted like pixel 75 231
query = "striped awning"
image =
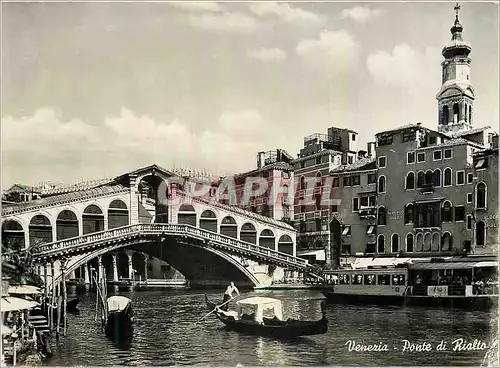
pixel 443 266
pixel 486 264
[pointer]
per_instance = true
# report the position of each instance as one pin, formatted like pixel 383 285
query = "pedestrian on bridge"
pixel 229 294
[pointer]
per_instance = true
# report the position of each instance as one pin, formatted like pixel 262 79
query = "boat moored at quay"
pixel 439 282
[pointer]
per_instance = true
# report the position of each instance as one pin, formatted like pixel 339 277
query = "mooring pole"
pixel 64 295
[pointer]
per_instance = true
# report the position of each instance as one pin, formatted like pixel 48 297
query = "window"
pixel 318 224
pixel 355 204
pixel 420 179
pixel 481 196
pixel 372 201
pixel 437 178
pixel 481 164
pixel 421 157
pixel 335 208
pixel 336 182
pixel 370 279
pixel 395 243
pixel 469 197
pixel 382 217
pixel 384 279
pixel 344 279
pixel 382 161
pixel 353 137
pixel 409 213
pixel 381 184
pixel 459 213
pixel 372 178
pixel 381 244
pixel 346 231
pixel 469 222
pixel 355 180
pixel 302 164
pixel 410 157
pixel 357 279
pixel 448 153
pixel 409 243
pixel 347 181
pixel 460 177
pixel 432 139
pixel 318 160
pixel 470 178
pixel 480 233
pixel 398 279
pixel 426 214
pixel 447 210
pixel 410 180
pixel 447 177
pixel 364 202
pixel 346 248
pixel 371 248
pixel 437 155
pixel 302 183
pixel 350 160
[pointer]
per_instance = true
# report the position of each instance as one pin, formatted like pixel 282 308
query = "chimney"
pixel 371 148
pixel 260 160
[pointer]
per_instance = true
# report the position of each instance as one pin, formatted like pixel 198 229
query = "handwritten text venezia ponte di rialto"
pixel 407 346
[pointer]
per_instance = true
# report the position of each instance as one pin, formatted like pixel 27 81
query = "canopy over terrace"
pixel 260 305
pixel 10 303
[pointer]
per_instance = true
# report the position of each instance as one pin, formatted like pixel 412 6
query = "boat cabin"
pixel 257 309
pixel 117 303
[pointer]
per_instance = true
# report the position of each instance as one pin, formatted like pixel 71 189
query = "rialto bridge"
pixel 207 241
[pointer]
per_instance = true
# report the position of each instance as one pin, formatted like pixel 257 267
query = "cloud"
pixel 267 55
pixel 405 66
pixel 225 22
pixel 287 13
pixel 208 6
pixel 361 14
pixel 44 147
pixel 332 51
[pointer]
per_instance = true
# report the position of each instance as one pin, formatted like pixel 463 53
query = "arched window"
pixel 409 213
pixel 470 114
pixel 447 211
pixel 302 183
pixel 420 179
pixel 446 115
pixel 40 230
pixel 447 177
pixel 248 233
pixel 429 177
pixel 395 243
pixel 382 216
pixel 267 239
pixel 187 215
pixel 285 244
pixel 117 214
pixel 66 225
pixel 410 180
pixel 436 240
pixel 427 242
pixel 420 242
pixel 381 184
pixel 437 177
pixel 466 113
pixel 13 235
pixel 480 234
pixel 229 227
pixel 481 195
pixel 409 242
pixel 93 220
pixel 446 242
pixel 456 113
pixel 208 221
pixel 381 244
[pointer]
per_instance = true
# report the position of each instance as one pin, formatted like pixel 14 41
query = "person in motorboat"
pixel 228 294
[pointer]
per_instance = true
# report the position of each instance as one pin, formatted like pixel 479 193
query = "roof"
pixel 468 132
pixel 452 142
pixel 317 154
pixel 273 166
pixel 66 197
pixel 403 127
pixel 22 187
pixel 367 163
pixel 258 300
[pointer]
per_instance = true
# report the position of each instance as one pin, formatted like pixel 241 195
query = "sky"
pixel 96 89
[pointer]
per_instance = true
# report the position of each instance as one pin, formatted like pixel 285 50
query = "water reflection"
pixel 166 332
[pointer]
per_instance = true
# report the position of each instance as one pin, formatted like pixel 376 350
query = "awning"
pixel 319 254
pixel 6 330
pixel 24 290
pixel 346 230
pixel 10 303
pixel 443 266
pixel 371 228
pixel 480 163
pixel 117 303
pixel 378 262
pixel 486 264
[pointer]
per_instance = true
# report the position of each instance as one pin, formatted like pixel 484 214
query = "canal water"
pixel 166 332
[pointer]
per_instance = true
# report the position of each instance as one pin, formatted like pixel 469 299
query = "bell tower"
pixel 456 96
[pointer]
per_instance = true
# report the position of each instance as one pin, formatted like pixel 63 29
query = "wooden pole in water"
pixel 65 297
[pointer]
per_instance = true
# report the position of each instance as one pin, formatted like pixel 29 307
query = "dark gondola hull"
pixel 119 324
pixel 272 328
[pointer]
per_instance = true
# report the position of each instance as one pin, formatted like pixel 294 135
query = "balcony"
pixel 427 188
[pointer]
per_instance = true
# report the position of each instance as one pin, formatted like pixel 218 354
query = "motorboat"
pixel 264 316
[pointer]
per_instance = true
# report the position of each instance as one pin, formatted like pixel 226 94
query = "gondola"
pixel 257 323
pixel 72 305
pixel 118 324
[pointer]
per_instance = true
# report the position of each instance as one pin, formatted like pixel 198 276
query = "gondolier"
pixel 229 294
